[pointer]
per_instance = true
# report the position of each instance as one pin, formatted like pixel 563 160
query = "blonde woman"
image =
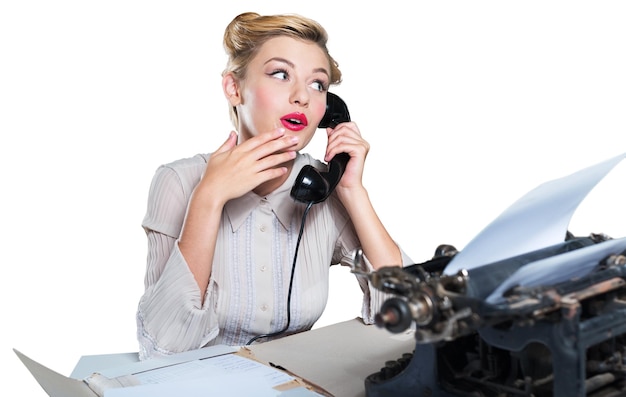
pixel 223 232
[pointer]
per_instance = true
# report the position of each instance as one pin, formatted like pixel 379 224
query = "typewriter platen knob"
pixel 394 315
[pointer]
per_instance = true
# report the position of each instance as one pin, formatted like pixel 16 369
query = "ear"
pixel 231 89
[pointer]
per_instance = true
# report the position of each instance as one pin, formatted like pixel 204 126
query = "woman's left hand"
pixel 346 138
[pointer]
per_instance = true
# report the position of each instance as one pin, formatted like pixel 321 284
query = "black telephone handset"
pixel 313 186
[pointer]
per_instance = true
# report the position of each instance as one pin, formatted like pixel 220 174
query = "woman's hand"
pixel 234 170
pixel 346 138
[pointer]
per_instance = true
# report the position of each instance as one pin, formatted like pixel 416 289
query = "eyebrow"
pixel 291 64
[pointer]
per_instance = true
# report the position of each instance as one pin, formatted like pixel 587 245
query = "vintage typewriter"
pixel 549 320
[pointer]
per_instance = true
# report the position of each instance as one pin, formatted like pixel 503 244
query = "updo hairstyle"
pixel 245 34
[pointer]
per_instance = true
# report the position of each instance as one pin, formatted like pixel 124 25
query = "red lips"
pixel 294 121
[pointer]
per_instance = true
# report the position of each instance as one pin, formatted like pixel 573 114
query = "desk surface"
pixel 338 357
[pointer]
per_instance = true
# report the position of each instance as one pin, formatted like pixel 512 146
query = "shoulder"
pixel 170 191
pixel 188 165
pixel 185 173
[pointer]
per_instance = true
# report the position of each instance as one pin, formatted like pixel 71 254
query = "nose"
pixel 300 95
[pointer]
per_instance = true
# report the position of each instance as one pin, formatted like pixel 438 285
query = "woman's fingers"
pixel 347 138
pixel 230 143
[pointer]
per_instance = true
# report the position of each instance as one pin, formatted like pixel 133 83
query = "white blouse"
pixel 247 292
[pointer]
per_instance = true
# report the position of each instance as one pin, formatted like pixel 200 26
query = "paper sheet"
pixel 216 367
pixel 537 220
pixel 147 365
pixel 230 385
pixel 226 375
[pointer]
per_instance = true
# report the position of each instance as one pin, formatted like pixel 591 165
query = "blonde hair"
pixel 245 34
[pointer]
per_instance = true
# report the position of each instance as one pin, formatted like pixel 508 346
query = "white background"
pixel 467 105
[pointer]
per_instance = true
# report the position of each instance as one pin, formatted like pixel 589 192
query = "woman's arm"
pixel 378 246
pixel 376 242
pixel 171 316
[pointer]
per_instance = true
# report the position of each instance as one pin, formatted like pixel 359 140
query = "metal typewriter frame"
pixel 567 339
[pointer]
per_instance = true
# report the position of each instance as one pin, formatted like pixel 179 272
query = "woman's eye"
pixel 280 74
pixel 319 86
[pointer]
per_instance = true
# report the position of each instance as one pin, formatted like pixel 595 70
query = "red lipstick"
pixel 294 121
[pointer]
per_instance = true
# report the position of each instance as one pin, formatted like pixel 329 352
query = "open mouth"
pixel 294 121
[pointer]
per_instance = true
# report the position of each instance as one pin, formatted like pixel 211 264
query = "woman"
pixel 222 229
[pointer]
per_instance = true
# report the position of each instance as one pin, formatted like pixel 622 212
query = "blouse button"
pixel 263 268
pixel 264 307
pixel 262 228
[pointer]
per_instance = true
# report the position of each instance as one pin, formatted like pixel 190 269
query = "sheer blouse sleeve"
pixel 345 249
pixel 171 317
pixel 372 297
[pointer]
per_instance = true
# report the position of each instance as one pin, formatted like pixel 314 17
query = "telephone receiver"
pixel 312 185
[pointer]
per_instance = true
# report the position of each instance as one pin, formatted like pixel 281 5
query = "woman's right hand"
pixel 233 170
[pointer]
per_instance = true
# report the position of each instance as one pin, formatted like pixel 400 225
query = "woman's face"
pixel 285 86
